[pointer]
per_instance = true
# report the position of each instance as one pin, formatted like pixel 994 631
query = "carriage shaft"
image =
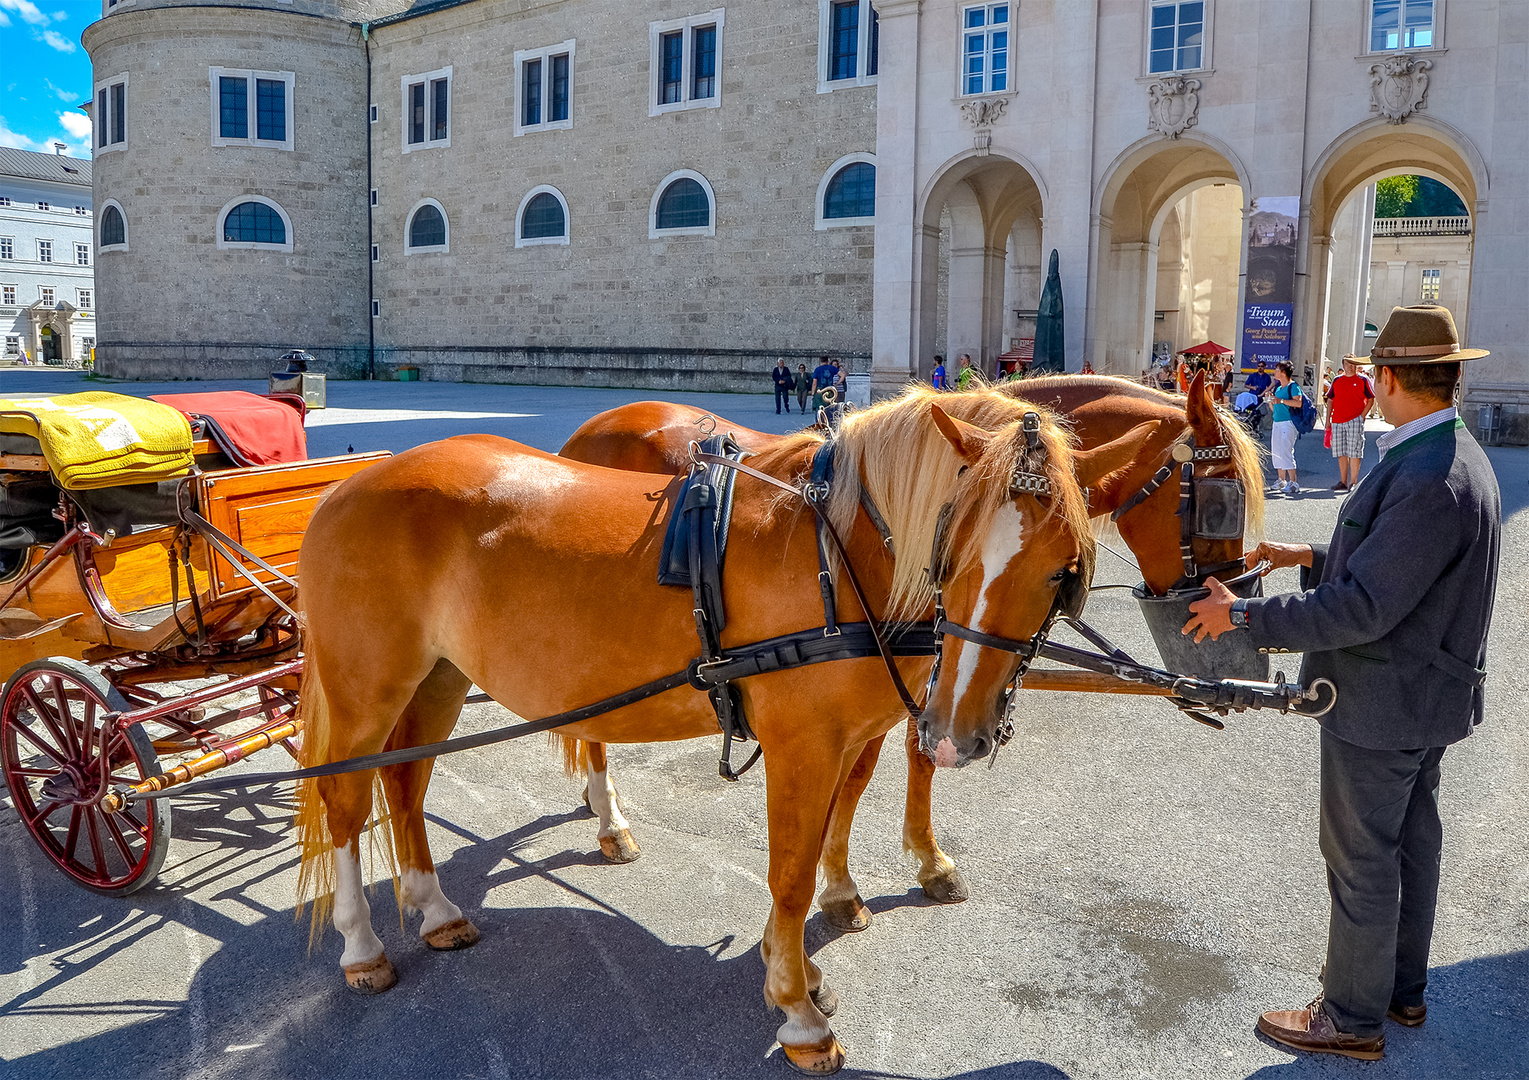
pixel 209 762
pixel 1091 682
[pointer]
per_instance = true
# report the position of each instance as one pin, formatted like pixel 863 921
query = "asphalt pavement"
pixel 1142 886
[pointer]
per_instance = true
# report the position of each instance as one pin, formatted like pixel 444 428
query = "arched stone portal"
pixel 979 259
pixel 1150 193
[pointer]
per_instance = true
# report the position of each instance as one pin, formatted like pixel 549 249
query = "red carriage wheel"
pixel 59 759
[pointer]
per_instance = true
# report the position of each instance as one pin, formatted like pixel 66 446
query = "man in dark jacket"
pixel 785 383
pixel 1395 613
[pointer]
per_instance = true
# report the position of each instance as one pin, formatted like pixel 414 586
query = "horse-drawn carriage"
pixel 145 545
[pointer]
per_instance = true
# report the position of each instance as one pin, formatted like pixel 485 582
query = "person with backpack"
pixel 1287 402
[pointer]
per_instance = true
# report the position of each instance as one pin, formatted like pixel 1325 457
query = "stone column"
pixel 902 257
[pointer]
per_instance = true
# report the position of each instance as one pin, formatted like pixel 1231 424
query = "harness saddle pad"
pixel 695 540
pixel 98 439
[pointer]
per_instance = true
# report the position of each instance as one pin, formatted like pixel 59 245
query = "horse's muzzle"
pixel 936 742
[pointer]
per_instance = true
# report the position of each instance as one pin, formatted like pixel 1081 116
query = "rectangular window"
pixel 376 253
pixel 7 247
pixel 80 210
pixel 84 296
pixel 1177 41
pixel 12 341
pixel 44 206
pixel 45 251
pixel 844 58
pixel 426 110
pixel 45 294
pixel 1431 280
pixel 252 108
pixel 685 63
pixel 119 112
pixel 376 308
pixel 82 254
pixel 849 37
pixel 1401 24
pixel 372 114
pixel 110 114
pixel 985 49
pixel 545 88
pixel 5 200
pixel 7 295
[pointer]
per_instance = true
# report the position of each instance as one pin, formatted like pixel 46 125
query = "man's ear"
pixel 969 440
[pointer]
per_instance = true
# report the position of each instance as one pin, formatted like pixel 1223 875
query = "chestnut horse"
pixel 480 561
pixel 653 436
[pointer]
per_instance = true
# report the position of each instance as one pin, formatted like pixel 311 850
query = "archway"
pixel 1168 255
pixel 981 268
pixel 50 349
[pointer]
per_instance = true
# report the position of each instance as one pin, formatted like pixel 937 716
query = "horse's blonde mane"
pixel 911 471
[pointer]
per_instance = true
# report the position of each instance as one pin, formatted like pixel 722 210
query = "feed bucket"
pixel 1232 657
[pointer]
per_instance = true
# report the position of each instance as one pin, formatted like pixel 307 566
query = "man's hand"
pixel 1212 616
pixel 1281 555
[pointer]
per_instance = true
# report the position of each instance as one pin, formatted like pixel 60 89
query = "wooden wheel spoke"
pixel 139 827
pixel 74 832
pixel 46 715
pixel 39 774
pixel 88 730
pixel 119 839
pixel 93 830
pixel 66 717
pixel 32 737
pixel 42 815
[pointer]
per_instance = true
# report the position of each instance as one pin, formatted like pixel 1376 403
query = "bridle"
pixel 1210 507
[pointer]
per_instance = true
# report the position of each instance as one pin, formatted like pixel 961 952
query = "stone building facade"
pixel 47 281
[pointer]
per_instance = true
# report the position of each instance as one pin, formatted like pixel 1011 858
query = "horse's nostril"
pixel 980 749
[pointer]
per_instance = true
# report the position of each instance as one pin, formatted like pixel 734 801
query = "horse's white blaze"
pixel 602 800
pixel 1001 547
pixel 422 892
pixel 352 914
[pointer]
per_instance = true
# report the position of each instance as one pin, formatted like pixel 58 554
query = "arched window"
pixel 427 229
pixel 684 204
pixel 113 227
pixel 254 223
pixel 847 192
pixel 852 192
pixel 543 218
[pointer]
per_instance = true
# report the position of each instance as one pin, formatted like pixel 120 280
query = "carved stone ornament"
pixel 1173 105
pixel 984 112
pixel 1397 86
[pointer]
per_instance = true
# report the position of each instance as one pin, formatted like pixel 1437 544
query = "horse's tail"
pixel 316 875
pixel 575 753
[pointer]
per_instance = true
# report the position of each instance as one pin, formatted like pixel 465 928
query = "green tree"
pixel 1394 194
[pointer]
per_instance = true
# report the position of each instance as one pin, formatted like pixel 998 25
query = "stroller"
pixel 1250 412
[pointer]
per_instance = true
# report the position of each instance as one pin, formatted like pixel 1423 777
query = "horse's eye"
pixel 1058 577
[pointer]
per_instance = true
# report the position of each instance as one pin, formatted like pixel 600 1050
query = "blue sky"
pixel 45 74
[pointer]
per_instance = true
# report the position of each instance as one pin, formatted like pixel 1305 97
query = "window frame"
pixel 536 241
pixel 687 27
pixel 1008 68
pixel 251 245
pixel 427 78
pixel 11 241
pixel 11 287
pixel 251 105
pixel 1367 25
pixel 821 222
pixel 408 223
pixel 52 294
pixel 101 221
pixel 863 48
pixel 49 261
pixel 113 114
pixel 1207 36
pixel 545 55
pixel 81 254
pixel 709 229
pixel 84 298
pixel 1436 274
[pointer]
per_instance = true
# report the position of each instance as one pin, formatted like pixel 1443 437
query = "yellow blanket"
pixel 98 439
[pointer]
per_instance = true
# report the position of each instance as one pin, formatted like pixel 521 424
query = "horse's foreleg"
pixel 798 815
pixel 942 882
pixel 348 802
pixel 840 900
pixel 600 795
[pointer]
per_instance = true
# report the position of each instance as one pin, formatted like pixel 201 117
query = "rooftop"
pixel 34 166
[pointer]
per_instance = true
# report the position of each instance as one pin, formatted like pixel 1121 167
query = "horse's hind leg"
pixel 942 882
pixel 600 795
pixel 348 803
pixel 840 900
pixel 429 717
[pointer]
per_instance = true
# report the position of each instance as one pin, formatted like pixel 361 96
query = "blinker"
pixel 1220 508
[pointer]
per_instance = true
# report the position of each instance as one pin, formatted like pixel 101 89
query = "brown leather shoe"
pixel 1408 1015
pixel 1311 1029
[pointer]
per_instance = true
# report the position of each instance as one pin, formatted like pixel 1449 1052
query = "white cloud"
pixel 63 95
pixel 76 145
pixel 27 10
pixel 76 124
pixel 18 140
pixel 5 20
pixel 60 16
pixel 58 41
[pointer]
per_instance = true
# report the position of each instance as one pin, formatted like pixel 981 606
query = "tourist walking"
pixel 1348 399
pixel 937 380
pixel 967 373
pixel 1395 613
pixel 784 385
pixel 803 387
pixel 1282 434
pixel 822 379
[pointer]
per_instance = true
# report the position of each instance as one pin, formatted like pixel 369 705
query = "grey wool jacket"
pixel 1397 606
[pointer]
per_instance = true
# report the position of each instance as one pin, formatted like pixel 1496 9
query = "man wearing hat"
pixel 1395 613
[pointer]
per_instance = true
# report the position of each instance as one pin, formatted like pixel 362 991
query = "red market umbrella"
pixel 1209 348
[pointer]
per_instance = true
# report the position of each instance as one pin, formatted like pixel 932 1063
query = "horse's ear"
pixel 1201 411
pixel 968 439
pixel 1092 467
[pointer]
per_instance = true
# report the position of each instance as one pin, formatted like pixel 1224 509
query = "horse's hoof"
pixel 825 999
pixel 822 1058
pixel 947 888
pixel 848 916
pixel 620 848
pixel 371 977
pixel 457 934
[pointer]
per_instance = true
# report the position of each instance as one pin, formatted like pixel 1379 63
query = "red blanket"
pixel 262 431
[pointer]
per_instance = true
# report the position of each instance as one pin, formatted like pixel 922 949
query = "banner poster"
pixel 1269 299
